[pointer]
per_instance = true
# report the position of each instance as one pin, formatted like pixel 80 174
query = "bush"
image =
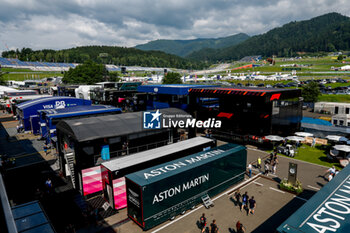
pixel 285 185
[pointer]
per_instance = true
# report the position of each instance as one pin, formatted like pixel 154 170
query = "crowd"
pixel 271 161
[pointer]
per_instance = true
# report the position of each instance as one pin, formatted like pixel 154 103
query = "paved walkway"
pixel 309 174
pixel 274 205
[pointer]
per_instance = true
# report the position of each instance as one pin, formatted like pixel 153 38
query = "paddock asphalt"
pixel 273 205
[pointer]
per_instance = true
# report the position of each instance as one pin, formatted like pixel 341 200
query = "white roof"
pixel 4 88
pixel 134 159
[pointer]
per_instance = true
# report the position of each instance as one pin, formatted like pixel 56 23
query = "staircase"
pixel 207 201
pixel 70 162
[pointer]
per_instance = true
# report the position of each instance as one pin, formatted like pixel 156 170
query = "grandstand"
pixel 58 67
pixel 36 66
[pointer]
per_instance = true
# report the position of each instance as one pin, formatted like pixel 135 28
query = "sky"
pixel 60 24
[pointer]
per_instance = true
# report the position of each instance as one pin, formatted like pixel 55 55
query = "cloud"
pixel 62 24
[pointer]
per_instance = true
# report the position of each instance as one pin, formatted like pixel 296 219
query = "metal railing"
pixel 132 150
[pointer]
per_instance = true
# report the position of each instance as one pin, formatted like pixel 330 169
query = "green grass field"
pixel 16 70
pixel 323 64
pixel 334 85
pixel 335 98
pixel 317 155
pixel 31 75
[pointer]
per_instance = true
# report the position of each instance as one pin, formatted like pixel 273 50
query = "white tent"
pixel 295 138
pixel 347 67
pixel 274 138
pixel 303 134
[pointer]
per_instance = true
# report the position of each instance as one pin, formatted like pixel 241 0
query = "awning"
pixel 85 129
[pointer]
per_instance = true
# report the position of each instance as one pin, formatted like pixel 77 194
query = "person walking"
pixel 45 149
pixel 331 171
pixel 213 227
pixel 203 222
pixel 241 230
pixel 271 156
pixel 274 167
pixel 48 184
pixel 245 199
pixel 252 205
pixel 238 198
pixel 239 227
pixel 266 168
pixel 259 163
pixel 313 142
pixel 250 170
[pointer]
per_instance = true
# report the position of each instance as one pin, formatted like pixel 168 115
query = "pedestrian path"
pixel 310 175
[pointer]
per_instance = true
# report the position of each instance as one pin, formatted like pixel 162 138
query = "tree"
pixel 87 73
pixel 113 77
pixel 340 57
pixel 2 78
pixel 48 57
pixel 311 92
pixel 41 56
pixel 172 78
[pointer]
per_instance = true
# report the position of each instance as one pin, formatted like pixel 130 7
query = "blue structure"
pixel 310 120
pixel 49 118
pixel 327 211
pixel 168 95
pixel 31 218
pixel 28 111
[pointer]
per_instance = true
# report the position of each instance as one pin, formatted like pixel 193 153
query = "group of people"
pixel 213 228
pixel 246 203
pixel 272 161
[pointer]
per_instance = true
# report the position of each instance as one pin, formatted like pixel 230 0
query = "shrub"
pixel 285 185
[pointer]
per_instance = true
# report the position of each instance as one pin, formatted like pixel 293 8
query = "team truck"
pixel 326 211
pixel 161 192
pixel 113 171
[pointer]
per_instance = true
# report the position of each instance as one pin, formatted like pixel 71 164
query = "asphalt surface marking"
pixel 258 183
pixel 301 198
pixel 313 187
pixel 277 190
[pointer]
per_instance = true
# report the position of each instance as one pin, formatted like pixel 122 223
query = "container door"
pixel 134 202
pixel 110 196
pixel 107 185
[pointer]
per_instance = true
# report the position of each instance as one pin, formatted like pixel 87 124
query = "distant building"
pixel 341 120
pixel 332 108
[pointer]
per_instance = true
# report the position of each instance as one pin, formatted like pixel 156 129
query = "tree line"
pixel 326 33
pixel 105 55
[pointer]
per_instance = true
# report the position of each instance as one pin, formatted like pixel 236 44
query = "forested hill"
pixel 329 32
pixel 105 55
pixel 186 47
